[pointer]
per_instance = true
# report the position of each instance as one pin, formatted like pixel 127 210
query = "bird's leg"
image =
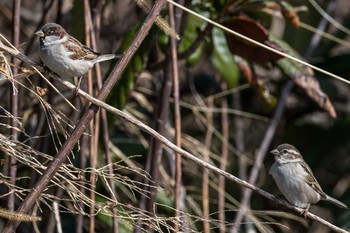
pixel 46 71
pixel 306 210
pixel 78 86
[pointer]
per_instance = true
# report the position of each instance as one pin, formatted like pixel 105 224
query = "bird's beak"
pixel 40 33
pixel 274 152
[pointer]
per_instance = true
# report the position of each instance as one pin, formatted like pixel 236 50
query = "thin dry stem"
pixel 170 145
pixel 260 155
pixel 223 164
pixel 146 5
pixel 147 129
pixel 86 118
pixel 14 99
pixel 177 116
pixel 260 44
pixel 205 176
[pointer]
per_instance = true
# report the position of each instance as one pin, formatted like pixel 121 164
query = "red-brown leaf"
pixel 247 50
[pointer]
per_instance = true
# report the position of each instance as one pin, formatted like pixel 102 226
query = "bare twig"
pixel 239 140
pixel 173 147
pixel 161 23
pixel 93 127
pixel 177 116
pixel 86 118
pixel 14 99
pixel 269 133
pixel 57 217
pixel 68 180
pixel 205 175
pixel 92 29
pixel 245 38
pixel 223 163
pixel 166 142
pixel 161 119
pixel 322 25
pixel 4 213
pixel 260 155
pixel 79 228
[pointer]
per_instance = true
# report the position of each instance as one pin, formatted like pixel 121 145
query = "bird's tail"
pixel 336 202
pixel 106 57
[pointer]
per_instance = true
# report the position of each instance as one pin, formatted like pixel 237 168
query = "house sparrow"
pixel 295 179
pixel 65 55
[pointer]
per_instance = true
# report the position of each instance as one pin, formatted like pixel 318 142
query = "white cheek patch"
pixel 51 40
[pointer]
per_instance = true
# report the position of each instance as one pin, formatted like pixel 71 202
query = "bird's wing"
pixel 80 51
pixel 312 182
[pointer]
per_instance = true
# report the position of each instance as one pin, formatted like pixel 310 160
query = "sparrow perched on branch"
pixel 65 55
pixel 295 179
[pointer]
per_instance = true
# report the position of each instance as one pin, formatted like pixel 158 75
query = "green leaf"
pixel 223 60
pixel 190 35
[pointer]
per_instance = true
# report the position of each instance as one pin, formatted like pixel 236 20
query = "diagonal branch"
pixel 173 147
pixel 167 143
pixel 61 156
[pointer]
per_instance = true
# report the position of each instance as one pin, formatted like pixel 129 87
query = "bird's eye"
pixel 284 151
